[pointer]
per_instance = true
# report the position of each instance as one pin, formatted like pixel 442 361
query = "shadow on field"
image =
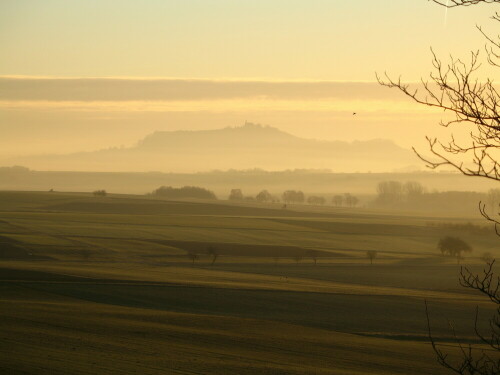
pixel 381 316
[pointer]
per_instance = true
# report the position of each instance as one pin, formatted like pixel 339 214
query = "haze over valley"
pixel 244 147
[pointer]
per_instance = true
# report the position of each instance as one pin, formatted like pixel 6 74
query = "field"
pixel 126 284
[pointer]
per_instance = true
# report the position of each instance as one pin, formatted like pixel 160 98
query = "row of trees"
pixel 390 192
pixel 396 192
pixel 413 196
pixel 263 196
pixel 213 253
pixel 294 196
pixel 97 193
pixel 449 246
pixel 184 192
pixel 493 200
pixel 345 200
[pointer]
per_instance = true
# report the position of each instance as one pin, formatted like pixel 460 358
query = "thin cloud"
pixel 153 89
pixel 363 107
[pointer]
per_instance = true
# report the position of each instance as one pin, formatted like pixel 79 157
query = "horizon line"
pixel 186 79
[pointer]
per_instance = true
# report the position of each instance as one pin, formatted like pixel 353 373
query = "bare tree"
pixel 350 200
pixel 212 251
pixel 473 104
pixel 337 200
pixel 493 199
pixel 292 196
pixel 313 254
pixel 264 196
pixel 354 201
pixel 413 190
pixel 456 3
pixel 316 200
pixel 297 258
pixel 389 192
pixel 371 254
pixel 236 195
pixel 192 255
pixel 487 257
pixel 476 359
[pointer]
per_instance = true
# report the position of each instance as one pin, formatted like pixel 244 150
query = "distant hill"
pixel 248 146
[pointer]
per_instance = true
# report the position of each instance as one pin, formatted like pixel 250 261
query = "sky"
pixel 87 74
pixel 214 39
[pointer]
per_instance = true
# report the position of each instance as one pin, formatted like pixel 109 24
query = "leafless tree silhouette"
pixel 473 104
pixel 100 193
pixel 212 251
pixel 487 257
pixel 476 359
pixel 313 254
pixel 456 3
pixel 192 256
pixel 337 200
pixel 371 254
pixel 297 258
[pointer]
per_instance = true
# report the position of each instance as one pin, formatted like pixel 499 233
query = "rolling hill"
pixel 244 147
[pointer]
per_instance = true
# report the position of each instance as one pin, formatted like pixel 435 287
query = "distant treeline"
pixel 313 182
pixel 377 190
pixel 294 196
pixel 413 195
pixel 98 193
pixel 462 227
pixel 410 195
pixel 184 192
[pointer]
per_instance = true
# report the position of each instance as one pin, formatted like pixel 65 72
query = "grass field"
pixel 125 285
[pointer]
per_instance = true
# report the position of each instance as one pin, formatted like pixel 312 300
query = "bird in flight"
pixel 354 113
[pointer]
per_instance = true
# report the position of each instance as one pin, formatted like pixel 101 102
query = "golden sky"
pixel 87 74
pixel 213 39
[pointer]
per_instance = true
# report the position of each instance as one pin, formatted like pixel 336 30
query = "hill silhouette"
pixel 244 147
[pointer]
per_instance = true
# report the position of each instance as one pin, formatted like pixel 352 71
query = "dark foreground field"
pixel 105 286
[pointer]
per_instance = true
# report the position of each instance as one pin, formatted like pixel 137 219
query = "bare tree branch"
pixel 454 89
pixel 474 105
pixel 471 360
pixel 457 3
pixel 486 215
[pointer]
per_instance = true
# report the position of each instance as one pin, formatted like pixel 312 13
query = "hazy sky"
pixel 302 66
pixel 288 39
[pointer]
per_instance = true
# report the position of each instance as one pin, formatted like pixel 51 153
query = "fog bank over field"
pixel 245 147
pixel 221 182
